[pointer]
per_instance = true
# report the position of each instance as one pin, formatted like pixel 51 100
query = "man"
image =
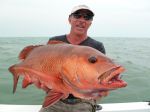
pixel 80 20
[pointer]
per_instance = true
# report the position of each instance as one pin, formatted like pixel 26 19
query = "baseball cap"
pixel 80 7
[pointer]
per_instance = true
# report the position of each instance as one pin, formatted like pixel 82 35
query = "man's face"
pixel 80 21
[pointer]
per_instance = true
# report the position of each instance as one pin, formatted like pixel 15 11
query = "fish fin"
pixel 52 97
pixel 26 81
pixel 23 54
pixel 55 42
pixel 16 77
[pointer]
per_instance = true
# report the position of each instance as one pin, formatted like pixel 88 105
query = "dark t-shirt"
pixel 88 42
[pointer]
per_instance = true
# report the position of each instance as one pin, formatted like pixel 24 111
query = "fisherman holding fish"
pixel 80 19
pixel 72 69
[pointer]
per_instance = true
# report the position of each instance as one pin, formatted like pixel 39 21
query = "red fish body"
pixel 61 69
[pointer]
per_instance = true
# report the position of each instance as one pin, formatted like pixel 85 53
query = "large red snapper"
pixel 62 69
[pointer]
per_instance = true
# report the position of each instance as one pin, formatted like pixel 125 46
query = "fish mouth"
pixel 111 79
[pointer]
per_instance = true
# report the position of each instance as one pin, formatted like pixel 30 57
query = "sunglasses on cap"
pixel 86 16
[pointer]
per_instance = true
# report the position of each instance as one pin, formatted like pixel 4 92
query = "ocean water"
pixel 132 53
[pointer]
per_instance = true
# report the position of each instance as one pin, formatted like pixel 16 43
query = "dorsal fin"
pixel 55 42
pixel 23 54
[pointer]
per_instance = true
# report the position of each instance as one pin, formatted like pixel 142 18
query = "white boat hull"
pixel 113 107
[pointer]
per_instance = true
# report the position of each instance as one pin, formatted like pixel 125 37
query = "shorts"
pixel 82 106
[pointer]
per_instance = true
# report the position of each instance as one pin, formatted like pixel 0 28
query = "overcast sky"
pixel 113 18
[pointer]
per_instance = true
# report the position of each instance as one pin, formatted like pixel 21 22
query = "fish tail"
pixel 15 77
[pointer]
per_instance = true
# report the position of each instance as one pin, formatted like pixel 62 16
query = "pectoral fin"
pixel 52 97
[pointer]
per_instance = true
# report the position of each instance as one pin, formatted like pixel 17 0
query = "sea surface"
pixel 132 53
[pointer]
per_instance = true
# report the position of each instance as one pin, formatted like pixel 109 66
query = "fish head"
pixel 92 73
pixel 100 70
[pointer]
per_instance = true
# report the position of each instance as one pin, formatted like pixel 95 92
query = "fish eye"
pixel 92 59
